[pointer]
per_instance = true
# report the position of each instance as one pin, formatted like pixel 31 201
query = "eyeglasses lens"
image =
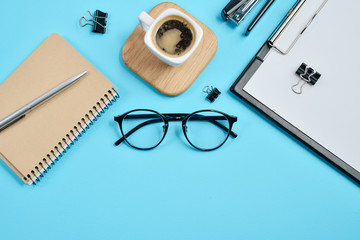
pixel 147 127
pixel 207 130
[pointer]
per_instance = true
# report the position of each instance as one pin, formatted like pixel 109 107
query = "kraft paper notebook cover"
pixel 32 144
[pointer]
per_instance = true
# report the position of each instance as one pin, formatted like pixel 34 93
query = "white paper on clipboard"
pixel 328 112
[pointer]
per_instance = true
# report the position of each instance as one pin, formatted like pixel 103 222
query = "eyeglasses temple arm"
pixel 213 119
pixel 232 134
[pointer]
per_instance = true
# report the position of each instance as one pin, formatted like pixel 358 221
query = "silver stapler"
pixel 236 10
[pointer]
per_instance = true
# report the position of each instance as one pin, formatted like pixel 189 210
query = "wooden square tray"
pixel 167 79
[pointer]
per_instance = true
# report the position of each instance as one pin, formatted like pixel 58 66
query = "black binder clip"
pixel 236 10
pixel 99 21
pixel 213 93
pixel 307 75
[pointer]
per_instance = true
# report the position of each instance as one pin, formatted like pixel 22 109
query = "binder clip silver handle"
pixel 89 19
pixel 302 78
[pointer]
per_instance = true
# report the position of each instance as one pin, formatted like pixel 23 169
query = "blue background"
pixel 262 185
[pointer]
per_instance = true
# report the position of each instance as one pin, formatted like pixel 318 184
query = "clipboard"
pixel 325 116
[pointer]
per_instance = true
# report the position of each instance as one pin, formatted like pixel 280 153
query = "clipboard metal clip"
pixel 307 75
pixel 286 22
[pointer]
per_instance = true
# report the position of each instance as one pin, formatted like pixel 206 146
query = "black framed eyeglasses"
pixel 205 130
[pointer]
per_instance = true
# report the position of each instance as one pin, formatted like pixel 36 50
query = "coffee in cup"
pixel 174 36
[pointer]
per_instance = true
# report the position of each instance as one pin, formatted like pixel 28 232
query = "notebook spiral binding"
pixel 69 139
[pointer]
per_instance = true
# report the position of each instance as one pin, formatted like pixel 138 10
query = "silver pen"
pixel 20 113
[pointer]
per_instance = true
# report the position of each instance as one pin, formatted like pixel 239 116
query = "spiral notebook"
pixel 33 144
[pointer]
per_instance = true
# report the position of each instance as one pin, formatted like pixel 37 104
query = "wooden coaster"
pixel 167 79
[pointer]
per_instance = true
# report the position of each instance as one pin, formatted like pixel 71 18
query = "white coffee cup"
pixel 151 26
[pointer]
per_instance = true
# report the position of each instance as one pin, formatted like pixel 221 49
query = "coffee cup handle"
pixel 145 21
